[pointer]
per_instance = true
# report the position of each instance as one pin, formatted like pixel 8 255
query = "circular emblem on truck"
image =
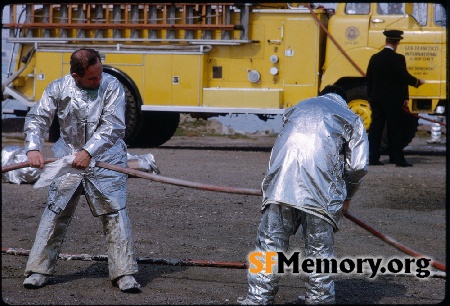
pixel 351 33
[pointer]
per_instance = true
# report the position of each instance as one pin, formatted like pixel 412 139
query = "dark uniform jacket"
pixel 388 78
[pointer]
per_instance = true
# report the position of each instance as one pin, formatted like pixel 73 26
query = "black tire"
pixel 133 117
pixel 157 128
pixel 133 102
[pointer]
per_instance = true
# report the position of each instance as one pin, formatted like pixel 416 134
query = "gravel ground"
pixel 173 222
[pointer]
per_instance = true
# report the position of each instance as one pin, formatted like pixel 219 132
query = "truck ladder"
pixel 130 22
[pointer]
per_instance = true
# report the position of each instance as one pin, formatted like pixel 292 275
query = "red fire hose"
pixel 392 242
pixel 149 176
pixel 406 109
pixel 208 187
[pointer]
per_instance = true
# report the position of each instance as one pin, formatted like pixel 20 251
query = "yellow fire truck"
pixel 207 59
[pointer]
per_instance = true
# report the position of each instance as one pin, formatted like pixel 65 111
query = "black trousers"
pixel 386 112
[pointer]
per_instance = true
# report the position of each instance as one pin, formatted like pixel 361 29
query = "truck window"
pixel 420 13
pixel 440 16
pixel 357 8
pixel 391 8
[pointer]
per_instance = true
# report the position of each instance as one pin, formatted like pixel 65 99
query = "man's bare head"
pixel 81 59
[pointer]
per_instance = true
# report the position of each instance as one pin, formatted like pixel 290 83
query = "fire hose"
pixel 140 260
pixel 209 187
pixel 406 109
pixel 345 54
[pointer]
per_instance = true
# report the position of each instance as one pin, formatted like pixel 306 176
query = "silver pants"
pixel 278 223
pixel 52 230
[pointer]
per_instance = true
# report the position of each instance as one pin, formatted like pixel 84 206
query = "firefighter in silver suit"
pixel 317 163
pixel 90 108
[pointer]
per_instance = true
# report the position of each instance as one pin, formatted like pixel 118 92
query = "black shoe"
pixel 404 164
pixel 376 163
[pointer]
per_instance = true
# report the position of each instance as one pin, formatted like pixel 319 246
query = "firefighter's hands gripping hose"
pixel 36 159
pixel 75 164
pixel 247 191
pixel 82 160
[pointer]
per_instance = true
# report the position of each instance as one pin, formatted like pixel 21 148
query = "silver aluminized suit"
pixel 318 160
pixel 93 120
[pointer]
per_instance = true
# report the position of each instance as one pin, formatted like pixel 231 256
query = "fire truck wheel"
pixel 157 128
pixel 359 104
pixel 133 117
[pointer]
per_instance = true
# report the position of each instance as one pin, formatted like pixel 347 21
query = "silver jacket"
pixel 319 159
pixel 93 120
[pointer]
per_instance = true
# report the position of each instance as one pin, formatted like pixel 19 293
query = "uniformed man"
pixel 387 89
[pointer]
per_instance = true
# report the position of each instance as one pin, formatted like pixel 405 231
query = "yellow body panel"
pixel 158 73
pixel 294 40
pixel 242 98
pixel 50 69
pixel 120 59
pixel 189 71
pixel 173 79
pixel 301 52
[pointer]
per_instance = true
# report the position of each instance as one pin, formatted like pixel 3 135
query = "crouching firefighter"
pixel 317 164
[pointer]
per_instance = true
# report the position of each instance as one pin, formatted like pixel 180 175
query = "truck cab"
pixel 359 29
